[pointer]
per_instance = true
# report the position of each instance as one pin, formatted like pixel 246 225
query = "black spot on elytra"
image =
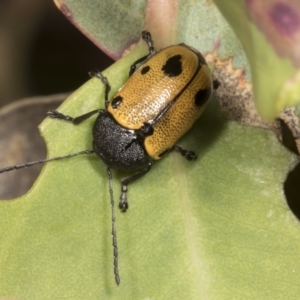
pixel 116 101
pixel 202 96
pixel 145 70
pixel 173 66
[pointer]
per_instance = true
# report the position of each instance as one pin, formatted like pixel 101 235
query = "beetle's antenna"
pixel 41 161
pixel 114 228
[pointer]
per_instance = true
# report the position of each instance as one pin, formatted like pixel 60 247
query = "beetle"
pixel 166 92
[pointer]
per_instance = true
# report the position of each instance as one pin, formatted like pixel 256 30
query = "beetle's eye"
pixel 202 96
pixel 116 101
pixel 147 129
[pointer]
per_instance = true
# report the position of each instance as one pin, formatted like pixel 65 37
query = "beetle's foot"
pixel 123 205
pixel 96 73
pixel 189 155
pixel 146 36
pixel 54 114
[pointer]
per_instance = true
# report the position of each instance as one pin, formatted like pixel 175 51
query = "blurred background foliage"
pixel 41 52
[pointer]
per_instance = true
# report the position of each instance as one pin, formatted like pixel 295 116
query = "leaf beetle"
pixel 166 92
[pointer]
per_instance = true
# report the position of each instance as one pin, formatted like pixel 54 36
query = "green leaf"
pixel 115 26
pixel 109 24
pixel 269 33
pixel 217 228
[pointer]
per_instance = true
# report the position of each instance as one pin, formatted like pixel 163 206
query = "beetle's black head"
pixel 117 146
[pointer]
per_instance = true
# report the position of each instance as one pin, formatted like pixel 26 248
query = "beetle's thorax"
pixel 118 147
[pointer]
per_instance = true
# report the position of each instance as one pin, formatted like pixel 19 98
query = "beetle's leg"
pixel 57 115
pixel 216 84
pixel 133 66
pixel 146 36
pixel 77 120
pixel 98 74
pixel 189 155
pixel 123 205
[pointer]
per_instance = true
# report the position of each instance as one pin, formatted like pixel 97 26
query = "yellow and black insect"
pixel 157 105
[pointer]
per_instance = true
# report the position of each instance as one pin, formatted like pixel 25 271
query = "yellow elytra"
pixel 169 91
